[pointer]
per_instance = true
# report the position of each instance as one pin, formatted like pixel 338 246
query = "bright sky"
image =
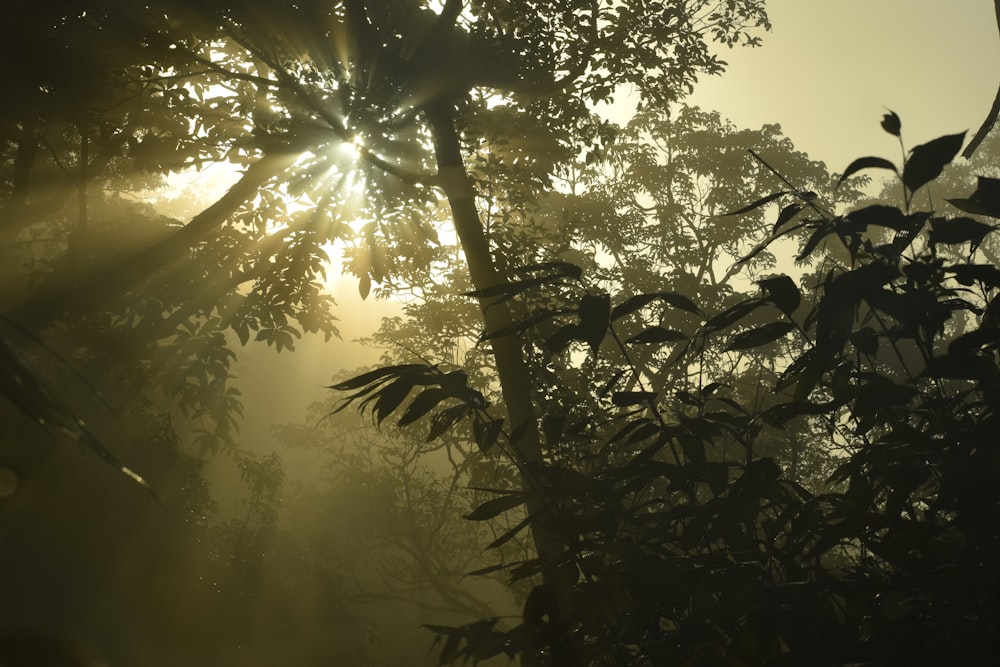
pixel 829 67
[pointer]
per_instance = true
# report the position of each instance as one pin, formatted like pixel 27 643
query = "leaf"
pixel 882 216
pixel 638 301
pixel 506 537
pixel 364 286
pixel 517 327
pixel 486 433
pixel 561 339
pixel 760 336
pixel 928 160
pixel 390 398
pixel 782 292
pixel 372 376
pixel 560 267
pixel 509 289
pixel 891 123
pixel 959 230
pixel 984 201
pixel 495 506
pixel 786 214
pixel 732 314
pixel 595 316
pixel 865 163
pixel 757 204
pixel 626 398
pixel 445 419
pixel 656 335
pixel 425 401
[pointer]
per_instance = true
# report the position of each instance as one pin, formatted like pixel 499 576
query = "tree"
pixel 309 78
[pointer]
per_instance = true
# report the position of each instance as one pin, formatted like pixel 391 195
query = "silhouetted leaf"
pixel 959 230
pixel 444 420
pixel 509 289
pixel 561 268
pixel 865 163
pixel 760 336
pixel 656 335
pixel 782 292
pixel 984 201
pixel 425 401
pixel 626 398
pixel 495 506
pixel 891 123
pixel 508 536
pixel 486 433
pixel 638 301
pixel 760 202
pixel 967 274
pixel 786 214
pixel 595 315
pixel 879 215
pixel 372 376
pixel 561 339
pixel 928 160
pixel 532 320
pixel 732 314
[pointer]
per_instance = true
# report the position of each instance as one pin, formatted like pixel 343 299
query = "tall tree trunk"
pixel 558 575
pixel 991 117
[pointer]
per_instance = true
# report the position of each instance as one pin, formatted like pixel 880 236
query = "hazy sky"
pixel 828 67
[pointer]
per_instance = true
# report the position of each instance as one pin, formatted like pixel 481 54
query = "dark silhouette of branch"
pixel 991 117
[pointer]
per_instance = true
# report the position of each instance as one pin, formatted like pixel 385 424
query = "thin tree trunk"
pixel 558 576
pixel 991 117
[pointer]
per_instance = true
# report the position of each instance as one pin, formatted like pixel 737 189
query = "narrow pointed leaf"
pixel 865 163
pixel 425 401
pixel 760 336
pixel 927 161
pixel 510 534
pixel 656 335
pixel 764 201
pixel 495 506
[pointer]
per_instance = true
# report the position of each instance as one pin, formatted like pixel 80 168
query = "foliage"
pixel 679 553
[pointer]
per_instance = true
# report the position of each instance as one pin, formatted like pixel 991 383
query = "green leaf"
pixel 495 506
pixel 928 160
pixel 865 163
pixel 656 335
pixel 760 336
